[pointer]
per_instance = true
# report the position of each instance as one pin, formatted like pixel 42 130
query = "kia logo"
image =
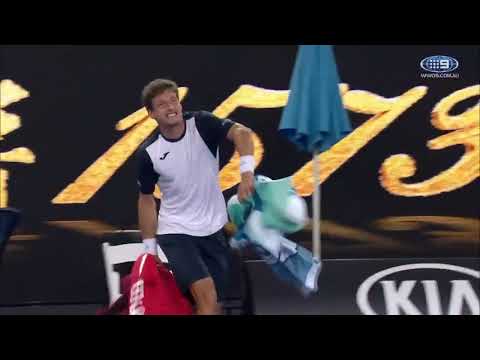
pixel 439 64
pixel 397 293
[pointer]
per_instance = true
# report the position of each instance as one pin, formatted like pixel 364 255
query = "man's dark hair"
pixel 156 87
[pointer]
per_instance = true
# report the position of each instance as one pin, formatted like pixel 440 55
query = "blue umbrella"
pixel 314 118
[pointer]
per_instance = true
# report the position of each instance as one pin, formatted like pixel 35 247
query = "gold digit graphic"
pixel 463 172
pixel 249 96
pixel 9 123
pixel 97 174
pixel 385 111
pixel 10 93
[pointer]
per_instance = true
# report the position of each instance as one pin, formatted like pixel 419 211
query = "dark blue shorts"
pixel 192 258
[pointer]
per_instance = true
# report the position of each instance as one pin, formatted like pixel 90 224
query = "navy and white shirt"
pixel 186 170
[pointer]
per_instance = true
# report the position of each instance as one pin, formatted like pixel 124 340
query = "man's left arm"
pixel 241 136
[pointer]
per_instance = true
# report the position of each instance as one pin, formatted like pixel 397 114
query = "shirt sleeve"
pixel 146 175
pixel 212 129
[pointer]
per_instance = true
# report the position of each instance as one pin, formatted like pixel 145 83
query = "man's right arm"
pixel 147 208
pixel 147 215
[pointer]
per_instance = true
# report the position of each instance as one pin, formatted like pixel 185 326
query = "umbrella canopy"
pixel 314 117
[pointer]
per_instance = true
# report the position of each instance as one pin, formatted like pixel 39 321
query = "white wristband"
pixel 247 163
pixel 150 246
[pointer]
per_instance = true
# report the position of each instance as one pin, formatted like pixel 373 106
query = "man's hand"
pixel 246 186
pixel 158 260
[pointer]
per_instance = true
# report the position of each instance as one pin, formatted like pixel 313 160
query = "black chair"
pixel 9 218
pixel 239 299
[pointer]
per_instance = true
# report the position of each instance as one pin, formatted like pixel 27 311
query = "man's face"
pixel 166 108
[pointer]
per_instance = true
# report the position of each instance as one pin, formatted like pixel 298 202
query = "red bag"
pixel 154 291
pixel 120 306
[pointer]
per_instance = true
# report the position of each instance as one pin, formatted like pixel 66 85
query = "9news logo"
pixel 440 66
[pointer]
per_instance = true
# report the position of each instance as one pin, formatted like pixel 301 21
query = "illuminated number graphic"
pixel 97 174
pixel 10 93
pixel 249 96
pixel 463 172
pixel 385 111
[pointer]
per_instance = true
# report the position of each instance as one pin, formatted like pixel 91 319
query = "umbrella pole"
pixel 316 207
